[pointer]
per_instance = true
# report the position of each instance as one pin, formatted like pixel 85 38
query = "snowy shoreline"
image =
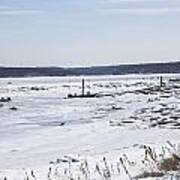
pixel 132 115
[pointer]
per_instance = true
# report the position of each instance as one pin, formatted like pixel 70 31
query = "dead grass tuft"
pixel 149 175
pixel 170 164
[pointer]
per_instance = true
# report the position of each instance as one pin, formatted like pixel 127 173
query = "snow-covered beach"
pixel 49 136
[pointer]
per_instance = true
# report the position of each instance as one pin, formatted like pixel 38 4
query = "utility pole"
pixel 161 81
pixel 83 87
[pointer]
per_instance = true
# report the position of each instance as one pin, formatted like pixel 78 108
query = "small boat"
pixel 88 95
pixel 83 95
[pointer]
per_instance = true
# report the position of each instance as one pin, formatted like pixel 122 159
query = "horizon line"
pixel 91 66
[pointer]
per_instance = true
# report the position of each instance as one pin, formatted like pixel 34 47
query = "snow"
pixel 47 126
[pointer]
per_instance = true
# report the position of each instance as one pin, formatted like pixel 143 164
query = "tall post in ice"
pixel 161 81
pixel 83 87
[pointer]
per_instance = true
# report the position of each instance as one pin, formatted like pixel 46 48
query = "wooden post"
pixel 83 87
pixel 161 81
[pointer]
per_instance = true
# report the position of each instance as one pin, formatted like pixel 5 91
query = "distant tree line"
pixel 94 70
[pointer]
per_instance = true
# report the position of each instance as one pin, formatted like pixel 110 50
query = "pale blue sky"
pixel 88 32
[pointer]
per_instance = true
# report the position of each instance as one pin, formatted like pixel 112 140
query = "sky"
pixel 88 32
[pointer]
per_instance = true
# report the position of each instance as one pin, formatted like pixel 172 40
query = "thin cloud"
pixel 136 1
pixel 4 7
pixel 140 10
pixel 138 6
pixel 19 12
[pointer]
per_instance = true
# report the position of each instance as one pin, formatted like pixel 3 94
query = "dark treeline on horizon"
pixel 94 70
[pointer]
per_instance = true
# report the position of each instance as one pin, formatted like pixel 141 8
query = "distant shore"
pixel 150 68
